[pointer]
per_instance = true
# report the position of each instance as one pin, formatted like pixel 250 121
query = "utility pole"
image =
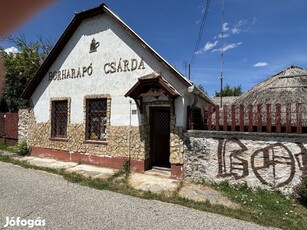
pixel 221 90
pixel 222 56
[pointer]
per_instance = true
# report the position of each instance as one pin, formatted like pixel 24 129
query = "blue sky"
pixel 262 37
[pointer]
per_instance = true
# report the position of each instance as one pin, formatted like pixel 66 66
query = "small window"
pixel 59 119
pixel 96 119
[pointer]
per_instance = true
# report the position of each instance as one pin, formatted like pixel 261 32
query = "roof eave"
pixel 55 52
pixel 195 90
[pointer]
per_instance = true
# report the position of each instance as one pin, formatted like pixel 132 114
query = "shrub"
pixel 21 148
pixel 300 191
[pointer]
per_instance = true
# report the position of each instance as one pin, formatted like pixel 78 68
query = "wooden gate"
pixel 9 128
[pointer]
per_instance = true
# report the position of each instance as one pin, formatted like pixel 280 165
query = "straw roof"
pixel 228 100
pixel 287 86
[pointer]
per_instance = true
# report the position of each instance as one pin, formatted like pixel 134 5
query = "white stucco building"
pixel 104 96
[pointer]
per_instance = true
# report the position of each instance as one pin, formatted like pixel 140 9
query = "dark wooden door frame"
pixel 159 139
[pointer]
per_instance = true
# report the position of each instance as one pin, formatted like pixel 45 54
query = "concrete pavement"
pixel 156 181
pixel 30 194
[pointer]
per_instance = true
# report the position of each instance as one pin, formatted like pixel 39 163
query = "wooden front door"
pixel 160 136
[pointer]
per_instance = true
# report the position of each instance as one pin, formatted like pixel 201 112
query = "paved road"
pixel 30 194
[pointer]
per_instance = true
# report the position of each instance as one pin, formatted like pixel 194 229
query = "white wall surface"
pixel 115 44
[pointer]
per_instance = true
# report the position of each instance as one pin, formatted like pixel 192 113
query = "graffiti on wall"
pixel 273 165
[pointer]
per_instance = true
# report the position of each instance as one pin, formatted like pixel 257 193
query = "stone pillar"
pixel 176 142
pixel 23 124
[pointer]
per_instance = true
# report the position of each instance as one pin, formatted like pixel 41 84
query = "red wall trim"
pixel 104 161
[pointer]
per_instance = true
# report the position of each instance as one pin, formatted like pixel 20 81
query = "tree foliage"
pixel 20 68
pixel 202 88
pixel 230 91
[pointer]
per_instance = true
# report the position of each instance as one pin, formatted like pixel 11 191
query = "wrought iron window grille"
pixel 96 119
pixel 59 118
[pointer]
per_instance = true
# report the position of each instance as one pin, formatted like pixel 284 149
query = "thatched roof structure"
pixel 287 86
pixel 226 100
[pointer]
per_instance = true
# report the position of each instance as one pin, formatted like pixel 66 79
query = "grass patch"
pixel 265 207
pixel 3 146
pixel 21 148
pixel 260 206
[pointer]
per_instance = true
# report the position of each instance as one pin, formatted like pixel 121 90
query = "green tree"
pixel 201 87
pixel 230 91
pixel 20 68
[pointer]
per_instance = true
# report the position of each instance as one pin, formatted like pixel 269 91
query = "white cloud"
pixel 207 47
pixel 199 52
pixel 228 47
pixel 225 28
pixel 260 64
pixel 210 45
pixel 12 49
pixel 235 30
pixel 238 26
pixel 232 46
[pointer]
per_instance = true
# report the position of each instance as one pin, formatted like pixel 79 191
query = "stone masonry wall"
pixel 116 144
pixel 176 142
pixel 269 161
pixel 23 124
pixel 117 137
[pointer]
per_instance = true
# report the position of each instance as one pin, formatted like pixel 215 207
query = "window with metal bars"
pixel 59 119
pixel 96 119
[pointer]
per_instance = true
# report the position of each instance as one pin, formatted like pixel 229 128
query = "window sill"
pixel 58 139
pixel 95 142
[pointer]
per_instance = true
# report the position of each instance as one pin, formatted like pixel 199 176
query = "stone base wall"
pixel 269 161
pixel 116 145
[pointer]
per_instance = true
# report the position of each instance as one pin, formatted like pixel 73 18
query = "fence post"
pixel 241 118
pixel 250 118
pixel 209 117
pixel 217 117
pixel 259 118
pixel 225 117
pixel 298 118
pixel 278 118
pixel 233 117
pixel 268 118
pixel 288 118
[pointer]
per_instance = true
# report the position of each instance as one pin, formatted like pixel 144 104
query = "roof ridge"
pixel 294 66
